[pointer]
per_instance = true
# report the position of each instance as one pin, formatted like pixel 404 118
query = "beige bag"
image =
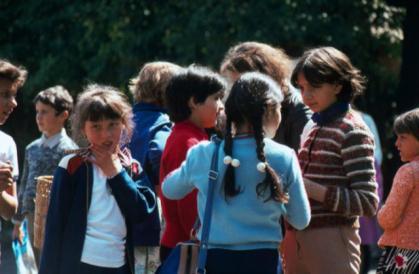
pixel 43 190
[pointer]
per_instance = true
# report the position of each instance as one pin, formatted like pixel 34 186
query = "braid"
pixel 250 100
pixel 271 180
pixel 230 189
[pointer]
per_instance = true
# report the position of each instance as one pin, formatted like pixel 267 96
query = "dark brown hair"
pixel 194 82
pixel 255 56
pixel 99 102
pixel 252 96
pixel 15 74
pixel 57 97
pixel 329 65
pixel 408 122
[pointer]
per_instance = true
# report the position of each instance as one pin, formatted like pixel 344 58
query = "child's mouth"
pixel 107 144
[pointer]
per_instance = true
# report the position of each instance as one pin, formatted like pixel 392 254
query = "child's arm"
pixel 135 200
pixel 59 206
pixel 391 214
pixel 154 154
pixel 315 191
pixel 18 218
pixel 298 208
pixel 176 185
pixel 360 197
pixel 8 201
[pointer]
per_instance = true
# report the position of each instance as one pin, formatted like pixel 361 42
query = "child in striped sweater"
pixel 336 158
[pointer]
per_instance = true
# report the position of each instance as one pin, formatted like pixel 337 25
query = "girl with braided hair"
pixel 259 181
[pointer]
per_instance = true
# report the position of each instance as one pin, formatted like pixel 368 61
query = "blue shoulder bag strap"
pixel 213 174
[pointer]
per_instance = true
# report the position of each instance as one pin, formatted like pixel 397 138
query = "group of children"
pixel 138 183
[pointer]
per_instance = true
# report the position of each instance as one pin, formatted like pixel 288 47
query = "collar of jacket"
pixel 148 107
pixel 331 113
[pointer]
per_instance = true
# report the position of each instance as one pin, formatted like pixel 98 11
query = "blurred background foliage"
pixel 76 42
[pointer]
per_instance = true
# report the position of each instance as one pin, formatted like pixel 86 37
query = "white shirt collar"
pixel 53 140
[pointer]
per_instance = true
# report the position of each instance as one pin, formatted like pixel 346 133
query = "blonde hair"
pixel 17 75
pixel 96 103
pixel 260 57
pixel 152 80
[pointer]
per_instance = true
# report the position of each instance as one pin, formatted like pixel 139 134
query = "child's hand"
pixel 314 190
pixel 106 158
pixel 6 176
pixel 18 233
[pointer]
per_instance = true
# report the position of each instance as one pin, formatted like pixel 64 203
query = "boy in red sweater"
pixel 194 101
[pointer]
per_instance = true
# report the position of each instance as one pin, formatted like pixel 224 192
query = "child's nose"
pixel 220 105
pixel 13 102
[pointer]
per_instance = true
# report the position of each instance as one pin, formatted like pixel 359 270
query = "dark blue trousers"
pixel 242 261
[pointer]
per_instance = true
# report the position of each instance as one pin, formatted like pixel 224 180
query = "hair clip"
pixel 261 166
pixel 234 162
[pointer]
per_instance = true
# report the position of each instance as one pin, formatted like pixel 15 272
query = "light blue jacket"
pixel 245 221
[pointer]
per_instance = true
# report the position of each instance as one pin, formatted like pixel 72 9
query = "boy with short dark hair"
pixel 194 101
pixel 53 107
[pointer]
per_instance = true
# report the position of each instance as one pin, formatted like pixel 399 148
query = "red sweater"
pixel 179 215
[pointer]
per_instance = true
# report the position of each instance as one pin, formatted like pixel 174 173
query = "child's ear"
pixel 338 88
pixel 191 103
pixel 64 115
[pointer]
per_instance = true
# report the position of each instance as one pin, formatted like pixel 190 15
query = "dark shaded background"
pixel 76 42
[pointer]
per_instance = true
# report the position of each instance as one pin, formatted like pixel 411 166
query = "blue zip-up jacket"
pixel 67 214
pixel 152 128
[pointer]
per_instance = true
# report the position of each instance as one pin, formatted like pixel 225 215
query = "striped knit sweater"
pixel 339 155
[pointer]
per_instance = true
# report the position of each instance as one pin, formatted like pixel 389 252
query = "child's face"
pixel 408 146
pixel 205 114
pixel 8 92
pixel 49 123
pixel 105 133
pixel 318 98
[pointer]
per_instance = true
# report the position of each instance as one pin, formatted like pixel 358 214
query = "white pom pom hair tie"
pixel 234 162
pixel 261 166
pixel 227 160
